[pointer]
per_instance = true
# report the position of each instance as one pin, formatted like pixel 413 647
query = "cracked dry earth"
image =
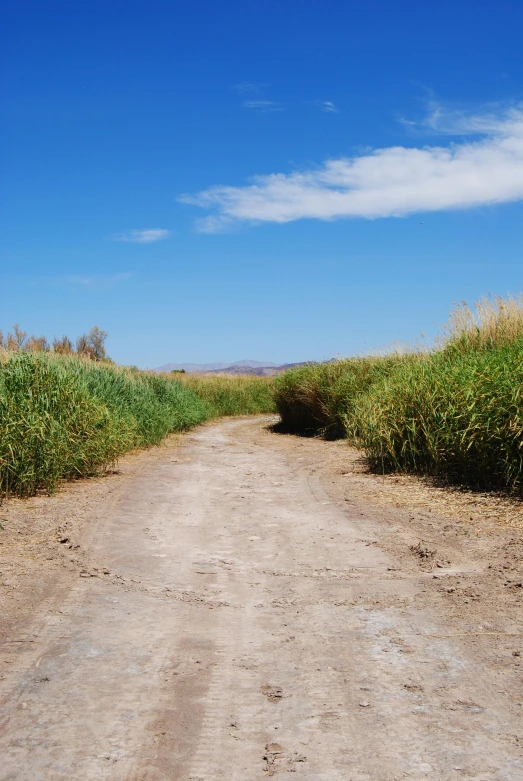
pixel 238 605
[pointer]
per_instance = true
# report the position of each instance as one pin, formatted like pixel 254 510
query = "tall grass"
pixel 319 398
pixel 492 322
pixel 455 412
pixel 64 417
pixel 232 394
pixel 454 416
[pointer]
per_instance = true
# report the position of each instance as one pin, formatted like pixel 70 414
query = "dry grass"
pixel 491 322
pixel 475 508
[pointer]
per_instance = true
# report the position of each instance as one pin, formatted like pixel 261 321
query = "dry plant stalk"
pixel 491 322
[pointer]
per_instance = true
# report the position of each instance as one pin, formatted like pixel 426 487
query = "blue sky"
pixel 280 181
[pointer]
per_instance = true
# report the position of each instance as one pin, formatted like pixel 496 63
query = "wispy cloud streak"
pixel 143 236
pixel 389 182
pixel 327 106
pixel 263 105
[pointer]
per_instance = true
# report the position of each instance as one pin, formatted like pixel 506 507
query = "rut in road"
pixel 249 625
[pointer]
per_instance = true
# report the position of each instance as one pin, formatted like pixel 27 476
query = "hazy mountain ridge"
pixel 239 367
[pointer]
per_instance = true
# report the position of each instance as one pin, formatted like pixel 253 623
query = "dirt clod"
pixel 273 693
pixel 423 551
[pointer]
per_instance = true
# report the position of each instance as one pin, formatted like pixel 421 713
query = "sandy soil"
pixel 240 604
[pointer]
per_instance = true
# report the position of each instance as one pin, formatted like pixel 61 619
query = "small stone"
pixel 364 704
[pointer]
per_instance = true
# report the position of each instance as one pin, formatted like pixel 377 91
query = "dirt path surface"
pixel 245 605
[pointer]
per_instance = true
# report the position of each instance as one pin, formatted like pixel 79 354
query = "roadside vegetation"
pixel 455 412
pixel 69 412
pixel 232 394
pixel 63 417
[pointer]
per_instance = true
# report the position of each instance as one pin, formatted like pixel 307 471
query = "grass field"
pixel 455 412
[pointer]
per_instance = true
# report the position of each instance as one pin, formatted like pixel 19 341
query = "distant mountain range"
pixel 239 367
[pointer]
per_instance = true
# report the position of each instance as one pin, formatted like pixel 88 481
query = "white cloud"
pixel 327 106
pixel 389 182
pixel 457 122
pixel 263 105
pixel 143 236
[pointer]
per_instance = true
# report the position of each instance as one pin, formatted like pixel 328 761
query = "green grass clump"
pixel 455 412
pixel 320 398
pixel 458 416
pixel 156 404
pixel 232 394
pixel 64 417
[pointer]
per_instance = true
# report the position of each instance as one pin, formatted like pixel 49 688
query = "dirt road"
pixel 240 607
